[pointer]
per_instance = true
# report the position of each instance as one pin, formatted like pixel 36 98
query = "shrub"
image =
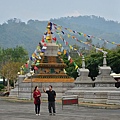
pixel 1 87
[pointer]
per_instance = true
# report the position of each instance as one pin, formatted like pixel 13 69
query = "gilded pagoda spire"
pixel 49 33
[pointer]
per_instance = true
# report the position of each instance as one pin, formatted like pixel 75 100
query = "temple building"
pixel 48 70
pixel 51 66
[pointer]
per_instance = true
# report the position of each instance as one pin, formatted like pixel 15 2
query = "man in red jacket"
pixel 37 101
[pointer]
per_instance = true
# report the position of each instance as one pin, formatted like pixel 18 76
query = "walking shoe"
pixel 50 113
pixel 36 114
pixel 39 114
pixel 54 114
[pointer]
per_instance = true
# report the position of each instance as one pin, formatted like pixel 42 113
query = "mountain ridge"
pixel 15 32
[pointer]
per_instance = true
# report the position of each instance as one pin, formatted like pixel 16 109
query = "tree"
pixel 113 59
pixel 94 60
pixel 70 69
pixel 3 60
pixel 9 71
pixel 19 54
pixel 11 59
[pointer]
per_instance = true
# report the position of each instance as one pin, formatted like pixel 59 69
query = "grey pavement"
pixel 25 111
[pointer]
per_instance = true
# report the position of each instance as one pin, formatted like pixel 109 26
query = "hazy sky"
pixel 46 9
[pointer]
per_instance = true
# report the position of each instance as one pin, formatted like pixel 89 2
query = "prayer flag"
pixel 71 61
pixel 62 32
pixel 64 52
pixel 68 35
pixel 35 68
pixel 69 57
pixel 54 38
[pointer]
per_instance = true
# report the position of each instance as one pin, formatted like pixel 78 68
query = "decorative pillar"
pixel 83 80
pixel 104 79
pixel 83 62
pixel 104 60
pixel 82 83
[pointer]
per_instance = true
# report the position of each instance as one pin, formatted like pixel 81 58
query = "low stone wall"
pixel 95 97
pixel 105 97
pixel 26 89
pixel 109 95
pixel 113 98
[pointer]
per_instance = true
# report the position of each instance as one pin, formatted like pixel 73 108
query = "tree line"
pixel 93 59
pixel 11 59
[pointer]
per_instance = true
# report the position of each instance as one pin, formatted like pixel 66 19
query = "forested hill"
pixel 15 32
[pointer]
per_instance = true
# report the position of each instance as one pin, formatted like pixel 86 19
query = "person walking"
pixel 37 101
pixel 51 99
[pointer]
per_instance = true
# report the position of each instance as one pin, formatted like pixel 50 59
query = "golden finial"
pixel 49 36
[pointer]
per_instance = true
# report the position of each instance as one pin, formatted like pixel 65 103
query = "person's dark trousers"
pixel 37 108
pixel 51 105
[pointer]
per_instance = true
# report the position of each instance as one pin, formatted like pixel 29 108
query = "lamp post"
pixel 18 83
pixel 19 73
pixel 31 73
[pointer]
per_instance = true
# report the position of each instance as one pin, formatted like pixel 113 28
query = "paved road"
pixel 25 111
